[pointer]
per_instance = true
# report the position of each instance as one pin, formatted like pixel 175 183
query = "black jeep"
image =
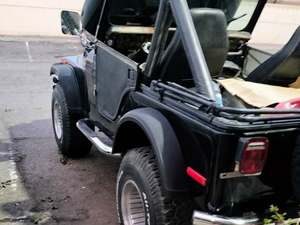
pixel 146 88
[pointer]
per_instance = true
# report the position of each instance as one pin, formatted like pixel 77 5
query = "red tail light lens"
pixel 254 156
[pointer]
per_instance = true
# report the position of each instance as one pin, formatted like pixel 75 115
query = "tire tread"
pixel 74 143
pixel 169 210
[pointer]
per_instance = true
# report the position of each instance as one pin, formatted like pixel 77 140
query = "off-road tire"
pixel 71 142
pixel 139 165
pixel 296 169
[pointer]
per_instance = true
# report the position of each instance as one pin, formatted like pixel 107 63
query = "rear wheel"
pixel 141 198
pixel 69 139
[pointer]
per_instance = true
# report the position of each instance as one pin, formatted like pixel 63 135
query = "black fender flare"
pixel 164 143
pixel 72 81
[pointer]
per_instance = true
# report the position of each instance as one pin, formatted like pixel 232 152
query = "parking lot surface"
pixel 37 185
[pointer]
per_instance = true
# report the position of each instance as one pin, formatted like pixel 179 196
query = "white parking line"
pixel 28 51
pixel 4 153
pixel 12 188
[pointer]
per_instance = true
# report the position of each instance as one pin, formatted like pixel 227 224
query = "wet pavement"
pixel 37 185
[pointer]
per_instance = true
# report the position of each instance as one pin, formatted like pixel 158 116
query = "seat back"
pixel 283 68
pixel 211 28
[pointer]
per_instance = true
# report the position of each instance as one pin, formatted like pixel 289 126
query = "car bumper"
pixel 202 218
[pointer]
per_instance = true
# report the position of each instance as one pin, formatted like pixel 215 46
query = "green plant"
pixel 277 217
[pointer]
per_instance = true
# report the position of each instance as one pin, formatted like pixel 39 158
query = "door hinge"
pixel 132 78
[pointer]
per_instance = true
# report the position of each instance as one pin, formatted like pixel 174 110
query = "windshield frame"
pixel 255 16
pixel 249 27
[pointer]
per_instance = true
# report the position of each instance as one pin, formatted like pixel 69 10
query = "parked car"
pixel 191 151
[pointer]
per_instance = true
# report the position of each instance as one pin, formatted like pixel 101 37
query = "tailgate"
pixel 277 184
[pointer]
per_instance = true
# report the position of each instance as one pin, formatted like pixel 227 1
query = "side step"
pixel 82 125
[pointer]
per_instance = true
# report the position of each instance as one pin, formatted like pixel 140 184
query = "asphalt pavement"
pixel 37 185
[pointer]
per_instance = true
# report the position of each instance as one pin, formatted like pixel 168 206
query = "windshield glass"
pixel 238 12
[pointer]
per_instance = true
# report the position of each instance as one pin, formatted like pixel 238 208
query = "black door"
pixel 116 75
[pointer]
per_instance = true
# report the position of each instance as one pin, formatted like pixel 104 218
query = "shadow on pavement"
pixel 55 190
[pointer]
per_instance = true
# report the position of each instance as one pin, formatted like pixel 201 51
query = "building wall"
pixel 34 17
pixel 290 2
pixel 277 23
pixel 42 18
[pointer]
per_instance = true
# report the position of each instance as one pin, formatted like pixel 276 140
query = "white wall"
pixel 277 24
pixel 42 18
pixel 293 2
pixel 34 17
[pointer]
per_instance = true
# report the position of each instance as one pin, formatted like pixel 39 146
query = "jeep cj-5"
pixel 206 124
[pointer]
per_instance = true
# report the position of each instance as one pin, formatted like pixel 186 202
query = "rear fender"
pixel 162 138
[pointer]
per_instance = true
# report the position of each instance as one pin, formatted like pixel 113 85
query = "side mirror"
pixel 70 23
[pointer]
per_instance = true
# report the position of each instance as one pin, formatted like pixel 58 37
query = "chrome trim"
pixel 202 218
pixel 101 146
pixel 57 120
pixel 132 204
pixel 235 174
pixel 93 137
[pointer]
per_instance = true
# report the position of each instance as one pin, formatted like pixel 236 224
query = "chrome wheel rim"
pixel 132 206
pixel 57 120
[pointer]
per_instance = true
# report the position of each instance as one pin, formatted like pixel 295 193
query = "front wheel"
pixel 69 139
pixel 141 198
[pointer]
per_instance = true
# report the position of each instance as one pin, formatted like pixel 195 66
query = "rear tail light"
pixel 253 155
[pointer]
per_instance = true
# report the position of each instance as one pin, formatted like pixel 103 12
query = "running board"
pixel 93 137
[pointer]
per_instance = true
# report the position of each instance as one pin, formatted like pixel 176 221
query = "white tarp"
pixel 259 95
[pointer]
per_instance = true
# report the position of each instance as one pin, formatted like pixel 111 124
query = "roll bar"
pixel 191 44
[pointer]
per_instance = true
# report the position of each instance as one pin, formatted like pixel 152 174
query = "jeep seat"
pixel 283 68
pixel 211 28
